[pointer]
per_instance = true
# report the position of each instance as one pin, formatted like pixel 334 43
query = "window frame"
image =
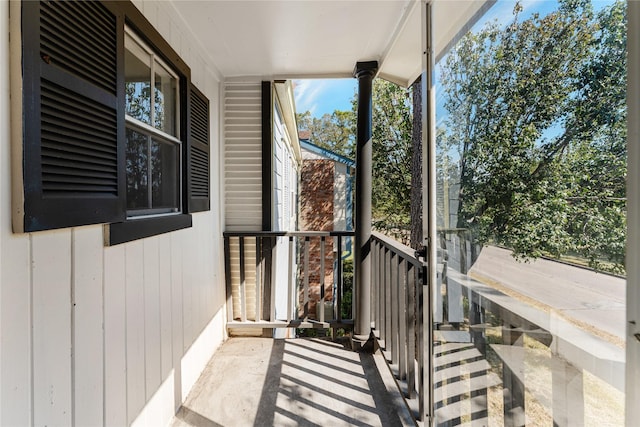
pixel 152 132
pixel 69 139
pixel 143 226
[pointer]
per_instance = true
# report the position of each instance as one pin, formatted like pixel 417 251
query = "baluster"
pixel 340 282
pixel 411 330
pixel 243 297
pixel 322 260
pixel 393 307
pixel 290 284
pixel 259 275
pixel 402 319
pixel 228 283
pixel 305 297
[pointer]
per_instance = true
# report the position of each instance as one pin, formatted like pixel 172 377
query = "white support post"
pixel 428 197
pixel 633 214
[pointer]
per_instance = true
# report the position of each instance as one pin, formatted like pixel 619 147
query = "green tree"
pixel 391 135
pixel 536 127
pixel 335 131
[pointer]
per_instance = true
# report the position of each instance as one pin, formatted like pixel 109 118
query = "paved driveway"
pixel 591 298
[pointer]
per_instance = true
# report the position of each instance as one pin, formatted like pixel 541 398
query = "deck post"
pixel 364 72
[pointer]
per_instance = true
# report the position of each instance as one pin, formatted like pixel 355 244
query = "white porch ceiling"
pixel 321 38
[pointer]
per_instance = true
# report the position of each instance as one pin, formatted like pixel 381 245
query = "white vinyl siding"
pixel 95 335
pixel 243 179
pixel 243 156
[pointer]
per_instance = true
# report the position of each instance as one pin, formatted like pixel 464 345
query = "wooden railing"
pixel 399 298
pixel 401 317
pixel 270 270
pixel 457 348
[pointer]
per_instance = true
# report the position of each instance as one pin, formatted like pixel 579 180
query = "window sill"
pixel 134 229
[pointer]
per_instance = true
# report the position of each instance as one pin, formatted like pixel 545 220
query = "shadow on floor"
pixel 297 382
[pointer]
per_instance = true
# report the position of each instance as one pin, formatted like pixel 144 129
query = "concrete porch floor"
pixel 293 382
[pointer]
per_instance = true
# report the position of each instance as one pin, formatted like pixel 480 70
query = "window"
pixel 152 144
pixel 113 130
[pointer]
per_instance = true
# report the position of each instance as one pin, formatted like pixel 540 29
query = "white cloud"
pixel 307 94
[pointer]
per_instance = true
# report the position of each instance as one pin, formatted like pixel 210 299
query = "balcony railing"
pixel 400 317
pixel 461 351
pixel 399 304
pixel 287 279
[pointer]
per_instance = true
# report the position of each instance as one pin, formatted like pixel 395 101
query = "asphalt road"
pixel 593 298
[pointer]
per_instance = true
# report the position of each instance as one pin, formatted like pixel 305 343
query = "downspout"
pixel 364 72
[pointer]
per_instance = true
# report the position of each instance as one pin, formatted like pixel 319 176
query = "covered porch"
pixel 289 382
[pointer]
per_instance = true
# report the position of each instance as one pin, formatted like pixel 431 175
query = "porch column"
pixel 364 72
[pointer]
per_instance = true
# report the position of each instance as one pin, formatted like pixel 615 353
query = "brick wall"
pixel 316 203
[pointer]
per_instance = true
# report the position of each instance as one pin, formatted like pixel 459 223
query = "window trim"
pixel 143 227
pixel 55 181
pixel 150 131
pixel 155 58
pixel 135 228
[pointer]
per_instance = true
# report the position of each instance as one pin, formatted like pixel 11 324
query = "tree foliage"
pixel 391 135
pixel 536 132
pixel 335 131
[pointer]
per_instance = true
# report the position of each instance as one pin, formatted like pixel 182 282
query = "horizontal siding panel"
pixel 252 164
pixel 243 159
pixel 242 121
pixel 247 94
pixel 249 136
pixel 240 215
pixel 242 174
pixel 244 225
pixel 243 102
pixel 244 113
pixel 243 155
pixel 233 108
pixel 247 164
pixel 248 176
pixel 242 87
pixel 240 144
pixel 244 92
pixel 249 185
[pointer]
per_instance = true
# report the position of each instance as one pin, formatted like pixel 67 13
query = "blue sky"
pixel 322 96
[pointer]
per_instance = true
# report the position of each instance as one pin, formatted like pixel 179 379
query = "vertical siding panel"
pixel 88 331
pixel 15 271
pixel 15 335
pixel 203 282
pixel 187 290
pixel 152 316
pixel 136 395
pixel 165 304
pixel 115 334
pixel 52 384
pixel 177 329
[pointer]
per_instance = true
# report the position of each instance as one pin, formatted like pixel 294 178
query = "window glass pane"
pixel 137 81
pixel 530 166
pixel 165 100
pixel 137 170
pixel 164 175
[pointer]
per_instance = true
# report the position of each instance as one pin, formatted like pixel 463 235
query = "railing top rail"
pixel 452 230
pixel 302 233
pixel 403 251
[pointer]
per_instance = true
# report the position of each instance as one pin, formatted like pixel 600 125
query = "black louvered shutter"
pixel 73 169
pixel 199 151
